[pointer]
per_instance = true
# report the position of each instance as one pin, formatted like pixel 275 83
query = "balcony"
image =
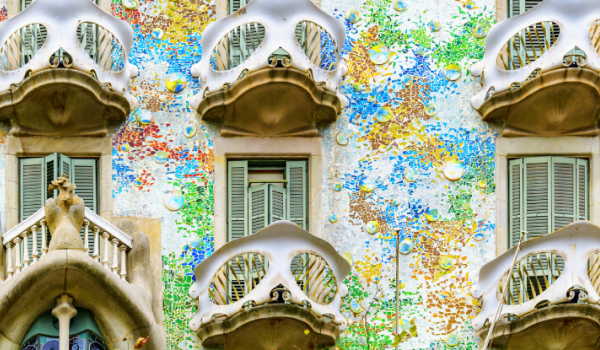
pixel 552 301
pixel 64 69
pixel 107 272
pixel 271 69
pixel 282 289
pixel 540 71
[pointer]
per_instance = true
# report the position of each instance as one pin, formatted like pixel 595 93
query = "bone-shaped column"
pixel 64 311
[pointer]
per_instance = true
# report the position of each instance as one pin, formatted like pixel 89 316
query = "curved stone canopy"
pixel 62 102
pixel 558 327
pixel 119 308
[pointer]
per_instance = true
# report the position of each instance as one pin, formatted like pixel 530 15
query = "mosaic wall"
pixel 408 153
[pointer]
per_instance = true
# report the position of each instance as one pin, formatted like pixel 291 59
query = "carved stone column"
pixel 64 311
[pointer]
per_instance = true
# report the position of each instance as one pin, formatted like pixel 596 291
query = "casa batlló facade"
pixel 297 174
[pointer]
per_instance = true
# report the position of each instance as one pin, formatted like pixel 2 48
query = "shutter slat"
pixel 277 203
pixel 297 197
pixel 237 205
pixel 259 207
pixel 84 174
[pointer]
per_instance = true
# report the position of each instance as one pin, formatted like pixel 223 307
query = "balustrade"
pixel 108 241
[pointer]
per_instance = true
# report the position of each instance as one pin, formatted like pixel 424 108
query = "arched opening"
pixel 84 333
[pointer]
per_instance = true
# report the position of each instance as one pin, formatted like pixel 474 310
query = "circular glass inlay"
pixel 379 54
pixel 194 242
pixel 333 219
pixel 452 340
pixel 452 72
pixel 407 80
pixel 352 15
pixel 446 262
pixel 189 131
pixel 401 284
pixel 435 26
pixel 396 202
pixel 157 33
pixel 174 200
pixel 176 82
pixel 420 51
pixel 453 170
pixel 406 246
pixel 366 184
pixel 411 175
pixel 160 157
pixel 337 187
pixel 356 307
pixel 144 116
pixel 342 139
pixel 470 4
pixel 482 184
pixel 130 4
pixel 372 227
pixel 480 32
pixel 432 214
pixel 125 147
pixel 478 236
pixel 429 109
pixel 400 6
pixel 384 114
pixel 356 86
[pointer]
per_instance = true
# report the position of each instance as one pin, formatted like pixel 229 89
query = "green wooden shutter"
pixel 237 199
pixel 31 186
pixel 52 168
pixel 536 201
pixel 277 203
pixel 582 189
pixel 515 209
pixel 297 196
pixel 84 174
pixel 564 194
pixel 259 208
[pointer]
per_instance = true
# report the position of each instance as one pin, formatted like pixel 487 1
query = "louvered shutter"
pixel 32 186
pixel 515 209
pixel 582 189
pixel 244 41
pixel 259 208
pixel 297 196
pixel 84 175
pixel 536 200
pixel 564 194
pixel 277 203
pixel 237 199
pixel 52 167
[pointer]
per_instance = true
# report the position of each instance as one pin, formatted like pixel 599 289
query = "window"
pixel 84 333
pixel 544 195
pixel 260 192
pixel 35 174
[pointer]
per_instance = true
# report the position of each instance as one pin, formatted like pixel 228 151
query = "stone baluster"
pixel 18 255
pixel 34 248
pixel 115 264
pixel 96 253
pixel 9 266
pixel 26 248
pixel 44 243
pixel 105 248
pixel 123 250
pixel 86 226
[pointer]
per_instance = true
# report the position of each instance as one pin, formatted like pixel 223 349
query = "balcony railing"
pixel 553 35
pixel 280 263
pixel 68 34
pixel 557 268
pixel 28 242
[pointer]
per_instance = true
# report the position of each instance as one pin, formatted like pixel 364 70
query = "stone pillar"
pixel 64 311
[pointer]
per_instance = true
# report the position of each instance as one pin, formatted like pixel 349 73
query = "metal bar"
pixel 501 303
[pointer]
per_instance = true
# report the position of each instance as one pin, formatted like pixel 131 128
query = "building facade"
pixel 414 140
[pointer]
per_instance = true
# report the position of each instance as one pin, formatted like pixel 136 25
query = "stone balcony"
pixel 64 69
pixel 552 301
pixel 540 71
pixel 271 69
pixel 107 272
pixel 266 290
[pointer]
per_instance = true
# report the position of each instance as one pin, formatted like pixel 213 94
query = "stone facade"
pixel 164 149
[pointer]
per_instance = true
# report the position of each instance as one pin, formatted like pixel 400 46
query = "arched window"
pixel 84 334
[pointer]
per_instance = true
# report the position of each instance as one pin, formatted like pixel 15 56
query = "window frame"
pixel 284 148
pixel 522 147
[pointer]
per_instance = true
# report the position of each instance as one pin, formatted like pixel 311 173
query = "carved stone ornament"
pixel 64 216
pixel 285 85
pixel 552 89
pixel 60 87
